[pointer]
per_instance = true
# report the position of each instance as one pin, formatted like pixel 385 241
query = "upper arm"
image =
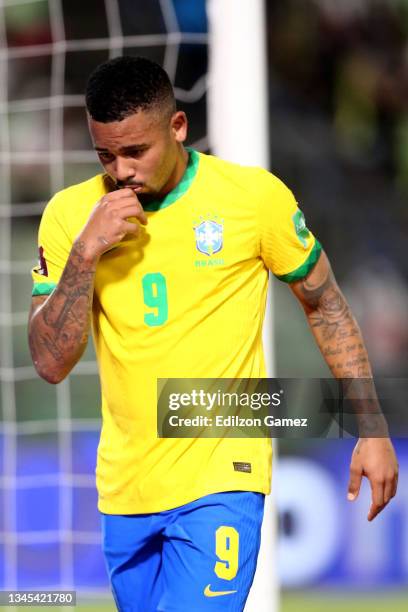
pixel 36 302
pixel 313 288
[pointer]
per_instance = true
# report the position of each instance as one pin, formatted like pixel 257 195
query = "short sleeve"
pixel 54 246
pixel 287 246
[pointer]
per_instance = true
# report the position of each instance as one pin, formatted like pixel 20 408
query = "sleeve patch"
pixel 300 227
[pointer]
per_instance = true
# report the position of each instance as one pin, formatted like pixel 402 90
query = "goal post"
pixel 238 131
pixel 49 48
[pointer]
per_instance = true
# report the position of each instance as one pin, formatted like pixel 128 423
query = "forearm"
pixel 338 336
pixel 340 341
pixel 59 328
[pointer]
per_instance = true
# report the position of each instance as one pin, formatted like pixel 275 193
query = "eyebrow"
pixel 135 147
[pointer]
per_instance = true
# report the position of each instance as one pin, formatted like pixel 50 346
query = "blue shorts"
pixel 197 557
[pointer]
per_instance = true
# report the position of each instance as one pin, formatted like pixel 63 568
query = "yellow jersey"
pixel 185 299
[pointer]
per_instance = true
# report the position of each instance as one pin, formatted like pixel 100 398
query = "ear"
pixel 178 126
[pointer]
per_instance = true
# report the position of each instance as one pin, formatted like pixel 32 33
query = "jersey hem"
pixel 305 268
pixel 172 503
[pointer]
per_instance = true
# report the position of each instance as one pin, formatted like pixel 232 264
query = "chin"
pixel 147 196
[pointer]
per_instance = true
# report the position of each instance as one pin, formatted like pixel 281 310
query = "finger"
pixel 394 486
pixel 388 490
pixel 374 511
pixel 131 201
pixel 132 211
pixel 125 197
pixel 354 485
pixel 119 194
pixel 377 497
pixel 127 227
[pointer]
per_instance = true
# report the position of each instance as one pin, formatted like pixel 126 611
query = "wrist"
pixel 87 251
pixel 373 427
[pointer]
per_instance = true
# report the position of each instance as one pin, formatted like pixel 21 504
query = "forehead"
pixel 141 127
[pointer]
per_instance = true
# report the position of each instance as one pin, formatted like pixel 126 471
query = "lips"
pixel 133 186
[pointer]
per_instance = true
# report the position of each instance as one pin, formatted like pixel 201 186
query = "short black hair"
pixel 125 85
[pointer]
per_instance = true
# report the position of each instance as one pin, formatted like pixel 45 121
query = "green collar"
pixel 181 188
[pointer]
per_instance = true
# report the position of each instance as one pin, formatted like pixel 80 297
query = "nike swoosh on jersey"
pixel 209 593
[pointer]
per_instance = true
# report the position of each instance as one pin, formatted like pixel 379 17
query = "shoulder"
pixel 95 186
pixel 230 170
pixel 70 208
pixel 254 179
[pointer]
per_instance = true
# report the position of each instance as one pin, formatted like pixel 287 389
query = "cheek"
pixel 159 167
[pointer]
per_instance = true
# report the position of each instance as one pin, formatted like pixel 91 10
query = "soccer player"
pixel 167 255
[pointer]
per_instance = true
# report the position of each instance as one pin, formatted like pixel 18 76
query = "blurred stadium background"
pixel 338 119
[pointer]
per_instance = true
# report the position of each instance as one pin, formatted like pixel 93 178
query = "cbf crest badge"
pixel 209 235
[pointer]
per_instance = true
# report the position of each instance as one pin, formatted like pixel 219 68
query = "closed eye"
pixel 105 156
pixel 134 152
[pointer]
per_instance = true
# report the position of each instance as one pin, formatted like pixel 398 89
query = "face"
pixel 142 151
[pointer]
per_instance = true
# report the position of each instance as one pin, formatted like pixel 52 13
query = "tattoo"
pixel 59 332
pixel 331 352
pixel 339 339
pixel 334 327
pixel 313 292
pixel 363 372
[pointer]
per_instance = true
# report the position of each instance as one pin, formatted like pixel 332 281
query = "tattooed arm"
pixel 333 325
pixel 59 324
pixel 339 339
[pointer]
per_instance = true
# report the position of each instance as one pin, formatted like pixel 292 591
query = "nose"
pixel 123 169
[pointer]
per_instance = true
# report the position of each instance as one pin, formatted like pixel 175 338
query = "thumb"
pixel 354 483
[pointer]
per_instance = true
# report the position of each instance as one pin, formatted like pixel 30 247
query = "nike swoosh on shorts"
pixel 209 593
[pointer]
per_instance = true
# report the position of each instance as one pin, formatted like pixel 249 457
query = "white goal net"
pixel 48 435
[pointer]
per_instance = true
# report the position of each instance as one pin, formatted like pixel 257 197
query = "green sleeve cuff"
pixel 306 266
pixel 43 288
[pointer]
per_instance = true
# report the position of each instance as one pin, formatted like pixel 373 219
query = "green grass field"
pixel 293 602
pixel 336 602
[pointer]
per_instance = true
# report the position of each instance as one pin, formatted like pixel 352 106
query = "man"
pixel 167 254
